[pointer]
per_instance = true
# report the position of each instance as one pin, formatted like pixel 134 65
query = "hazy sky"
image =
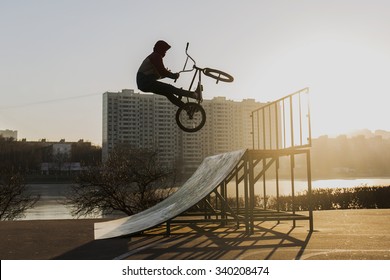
pixel 57 58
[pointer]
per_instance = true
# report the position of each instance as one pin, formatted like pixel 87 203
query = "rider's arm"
pixel 157 61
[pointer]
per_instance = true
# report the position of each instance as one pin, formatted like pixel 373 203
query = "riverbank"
pixel 339 234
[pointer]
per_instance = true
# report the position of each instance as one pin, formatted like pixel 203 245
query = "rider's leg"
pixel 150 84
pixel 170 91
pixel 174 99
pixel 163 88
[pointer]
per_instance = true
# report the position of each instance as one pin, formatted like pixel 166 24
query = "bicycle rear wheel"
pixel 191 117
pixel 218 75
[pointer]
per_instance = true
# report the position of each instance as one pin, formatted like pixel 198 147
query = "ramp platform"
pixel 212 171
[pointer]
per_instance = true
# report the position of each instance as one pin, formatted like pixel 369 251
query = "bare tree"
pixel 14 200
pixel 129 181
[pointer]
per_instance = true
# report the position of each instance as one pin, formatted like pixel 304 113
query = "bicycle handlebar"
pixel 185 64
pixel 188 57
pixel 213 73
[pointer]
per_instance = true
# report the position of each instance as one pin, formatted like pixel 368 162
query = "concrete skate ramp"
pixel 211 172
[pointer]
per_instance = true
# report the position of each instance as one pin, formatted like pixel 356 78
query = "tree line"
pixel 361 197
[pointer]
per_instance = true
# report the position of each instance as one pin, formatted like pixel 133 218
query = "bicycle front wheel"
pixel 218 75
pixel 191 117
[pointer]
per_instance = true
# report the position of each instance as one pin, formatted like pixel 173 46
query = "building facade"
pixel 148 121
pixel 141 121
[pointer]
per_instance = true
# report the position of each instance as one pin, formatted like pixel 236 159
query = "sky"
pixel 58 57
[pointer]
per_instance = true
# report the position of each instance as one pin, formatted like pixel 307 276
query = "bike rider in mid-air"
pixel 152 69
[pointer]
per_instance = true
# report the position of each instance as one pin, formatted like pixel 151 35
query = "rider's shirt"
pixel 153 66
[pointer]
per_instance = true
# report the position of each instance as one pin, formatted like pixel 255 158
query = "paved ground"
pixel 341 234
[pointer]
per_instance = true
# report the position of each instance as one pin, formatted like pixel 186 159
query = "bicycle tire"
pixel 218 75
pixel 191 122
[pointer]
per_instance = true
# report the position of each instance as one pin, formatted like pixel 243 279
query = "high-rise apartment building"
pixel 148 121
pixel 141 121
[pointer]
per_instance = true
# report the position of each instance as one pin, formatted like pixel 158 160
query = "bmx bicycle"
pixel 191 117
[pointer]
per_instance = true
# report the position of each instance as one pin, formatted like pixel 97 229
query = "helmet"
pixel 161 47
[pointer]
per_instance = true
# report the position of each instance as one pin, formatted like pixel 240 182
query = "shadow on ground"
pixel 215 242
pixel 96 250
pixel 339 235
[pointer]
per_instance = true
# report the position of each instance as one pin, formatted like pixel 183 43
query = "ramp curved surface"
pixel 211 172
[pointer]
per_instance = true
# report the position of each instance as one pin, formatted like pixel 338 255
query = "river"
pixel 51 204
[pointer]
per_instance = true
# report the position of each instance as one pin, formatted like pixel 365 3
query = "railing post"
pixel 251 194
pixel 246 194
pixel 292 167
pixel 253 131
pixel 277 125
pixel 277 184
pixel 291 122
pixel 309 190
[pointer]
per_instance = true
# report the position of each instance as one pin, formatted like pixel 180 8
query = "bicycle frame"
pixel 185 115
pixel 218 75
pixel 198 71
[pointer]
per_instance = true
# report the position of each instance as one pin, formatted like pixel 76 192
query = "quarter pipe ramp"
pixel 211 172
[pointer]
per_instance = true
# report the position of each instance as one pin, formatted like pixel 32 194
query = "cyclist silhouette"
pixel 152 69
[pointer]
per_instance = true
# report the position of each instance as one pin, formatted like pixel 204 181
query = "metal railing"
pixel 283 124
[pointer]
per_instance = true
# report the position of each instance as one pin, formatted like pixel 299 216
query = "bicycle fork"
pixel 199 85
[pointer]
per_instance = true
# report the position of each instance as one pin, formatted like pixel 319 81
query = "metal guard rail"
pixel 283 124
